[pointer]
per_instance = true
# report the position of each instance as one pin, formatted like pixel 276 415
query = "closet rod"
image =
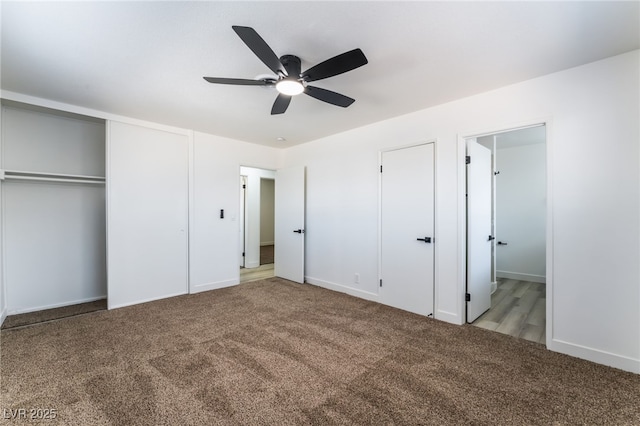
pixel 43 179
pixel 51 175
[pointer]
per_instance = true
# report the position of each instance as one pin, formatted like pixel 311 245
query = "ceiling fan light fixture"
pixel 289 87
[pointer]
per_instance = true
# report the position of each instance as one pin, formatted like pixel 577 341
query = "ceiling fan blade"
pixel 329 96
pixel 337 65
pixel 281 104
pixel 260 47
pixel 238 81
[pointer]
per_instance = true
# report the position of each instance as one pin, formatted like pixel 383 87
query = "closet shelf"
pixel 50 177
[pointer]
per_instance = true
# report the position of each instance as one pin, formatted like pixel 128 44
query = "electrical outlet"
pixel 356 279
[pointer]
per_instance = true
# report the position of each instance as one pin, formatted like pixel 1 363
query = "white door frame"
pixel 243 219
pixel 462 215
pixel 252 193
pixel 494 218
pixel 435 213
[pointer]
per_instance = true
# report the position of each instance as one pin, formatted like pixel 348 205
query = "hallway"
pixel 518 308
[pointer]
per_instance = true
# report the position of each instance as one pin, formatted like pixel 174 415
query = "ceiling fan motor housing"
pixel 292 64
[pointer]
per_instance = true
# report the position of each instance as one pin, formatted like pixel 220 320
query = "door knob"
pixel 501 243
pixel 425 239
pixel 299 231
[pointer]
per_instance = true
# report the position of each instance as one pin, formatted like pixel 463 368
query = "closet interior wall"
pixel 53 208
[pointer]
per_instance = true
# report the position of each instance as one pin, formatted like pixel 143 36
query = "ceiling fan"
pixel 289 79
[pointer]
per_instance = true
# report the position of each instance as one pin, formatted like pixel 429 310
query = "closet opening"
pixel 506 232
pixel 54 214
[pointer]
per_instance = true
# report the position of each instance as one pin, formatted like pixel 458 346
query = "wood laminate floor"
pixel 266 254
pixel 253 274
pixel 518 308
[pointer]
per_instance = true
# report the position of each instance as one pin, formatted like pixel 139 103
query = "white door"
pixel 147 215
pixel 479 238
pixel 289 224
pixel 407 224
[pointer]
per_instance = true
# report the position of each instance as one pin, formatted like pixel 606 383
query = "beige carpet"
pixel 277 353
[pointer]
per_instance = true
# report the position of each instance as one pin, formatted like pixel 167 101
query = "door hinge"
pixel 242 254
pixel 381 282
pixel 244 186
pixel 380 168
pixel 467 297
pixel 467 159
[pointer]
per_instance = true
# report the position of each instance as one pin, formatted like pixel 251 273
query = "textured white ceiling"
pixel 146 59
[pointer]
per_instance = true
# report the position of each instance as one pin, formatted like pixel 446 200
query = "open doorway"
pixel 257 207
pixel 515 277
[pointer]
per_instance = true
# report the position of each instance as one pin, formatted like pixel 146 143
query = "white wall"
pixel 215 242
pixel 521 212
pixel 3 298
pixel 267 211
pixel 54 237
pixel 47 141
pixel 593 180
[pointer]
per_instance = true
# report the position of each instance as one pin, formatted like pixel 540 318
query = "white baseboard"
pixel 342 289
pixel 494 286
pixel 250 265
pixel 52 306
pixel 214 285
pixel 595 355
pixel 449 317
pixel 3 315
pixel 138 302
pixel 521 277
